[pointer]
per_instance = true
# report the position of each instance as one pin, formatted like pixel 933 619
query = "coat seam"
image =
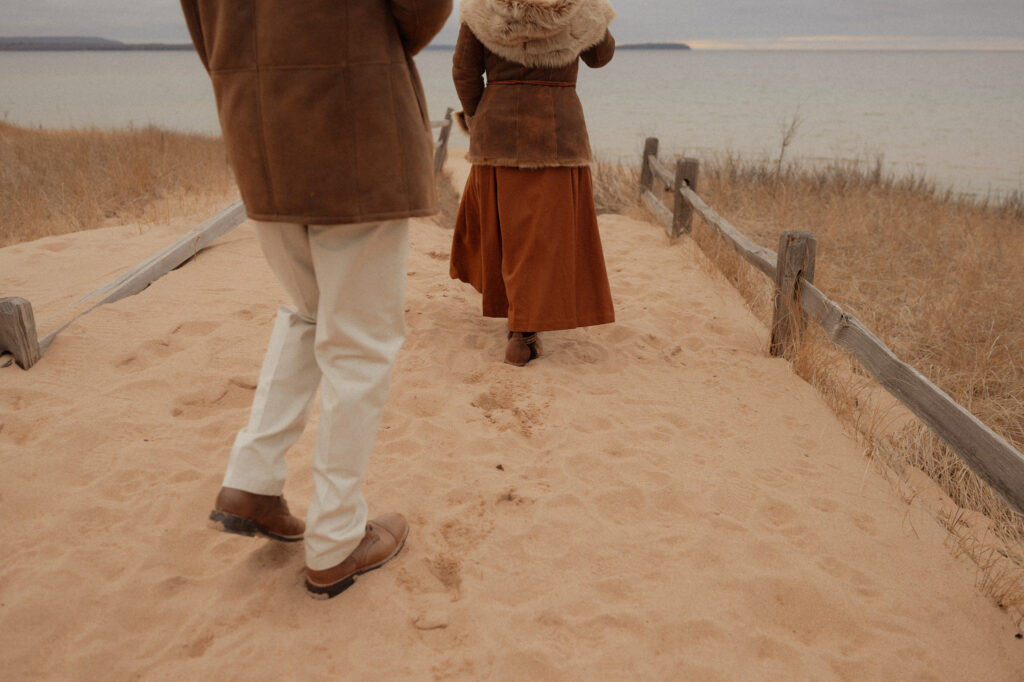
pixel 343 220
pixel 265 158
pixel 398 132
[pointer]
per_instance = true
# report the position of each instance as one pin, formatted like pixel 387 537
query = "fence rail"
pixel 17 321
pixel 441 144
pixel 791 270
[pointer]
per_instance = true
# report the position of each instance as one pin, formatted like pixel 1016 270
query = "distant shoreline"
pixel 77 44
pixel 619 46
pixel 94 44
pixel 157 47
pixel 653 46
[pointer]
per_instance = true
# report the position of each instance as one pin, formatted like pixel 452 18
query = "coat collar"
pixel 537 33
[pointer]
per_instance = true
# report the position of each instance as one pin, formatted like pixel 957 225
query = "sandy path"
pixel 654 499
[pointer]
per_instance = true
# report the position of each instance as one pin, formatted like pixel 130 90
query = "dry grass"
pixel 58 181
pixel 448 198
pixel 615 188
pixel 935 276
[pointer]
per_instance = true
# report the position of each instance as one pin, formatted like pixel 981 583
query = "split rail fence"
pixel 17 321
pixel 791 270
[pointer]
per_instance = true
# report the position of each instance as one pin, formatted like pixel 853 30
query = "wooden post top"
pixel 18 331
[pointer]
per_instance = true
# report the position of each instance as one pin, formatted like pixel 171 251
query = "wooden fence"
pixel 441 144
pixel 17 321
pixel 796 299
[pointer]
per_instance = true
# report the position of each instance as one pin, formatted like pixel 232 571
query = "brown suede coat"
pixel 321 105
pixel 534 121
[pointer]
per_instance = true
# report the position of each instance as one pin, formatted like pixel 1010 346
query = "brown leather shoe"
pixel 385 537
pixel 523 347
pixel 245 513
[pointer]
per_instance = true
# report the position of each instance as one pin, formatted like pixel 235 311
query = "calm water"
pixel 955 117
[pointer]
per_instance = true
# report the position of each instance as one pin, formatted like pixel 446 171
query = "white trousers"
pixel 347 283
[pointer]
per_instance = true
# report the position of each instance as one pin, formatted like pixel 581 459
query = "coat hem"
pixel 516 163
pixel 342 220
pixel 552 325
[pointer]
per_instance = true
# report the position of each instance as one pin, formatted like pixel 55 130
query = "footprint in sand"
pixel 795 606
pixel 198 646
pixel 695 343
pixel 476 342
pixel 235 394
pixel 196 328
pixel 448 572
pixel 824 504
pixel 806 467
pixel 17 400
pixel 18 431
pixel 590 353
pixel 866 524
pixel 864 585
pixel 148 353
pixel 773 650
pixel 424 404
pixel 698 631
pixel 778 513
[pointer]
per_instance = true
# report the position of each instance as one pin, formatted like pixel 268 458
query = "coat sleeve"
pixel 468 68
pixel 195 29
pixel 597 56
pixel 419 21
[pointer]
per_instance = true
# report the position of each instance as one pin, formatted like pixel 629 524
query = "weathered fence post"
pixel 797 250
pixel 682 213
pixel 18 331
pixel 441 153
pixel 646 174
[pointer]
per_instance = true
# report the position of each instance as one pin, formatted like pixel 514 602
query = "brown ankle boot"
pixel 522 347
pixel 245 513
pixel 385 536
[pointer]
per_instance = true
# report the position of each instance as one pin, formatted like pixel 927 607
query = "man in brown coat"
pixel 327 133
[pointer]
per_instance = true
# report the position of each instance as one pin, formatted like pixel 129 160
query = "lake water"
pixel 954 117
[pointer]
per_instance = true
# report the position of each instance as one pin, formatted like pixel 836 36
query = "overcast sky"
pixel 994 23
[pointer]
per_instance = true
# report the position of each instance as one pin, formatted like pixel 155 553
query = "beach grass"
pixel 58 181
pixel 935 275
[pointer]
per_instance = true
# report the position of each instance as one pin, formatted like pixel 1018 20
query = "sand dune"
pixel 654 499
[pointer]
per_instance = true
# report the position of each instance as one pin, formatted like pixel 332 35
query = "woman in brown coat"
pixel 526 236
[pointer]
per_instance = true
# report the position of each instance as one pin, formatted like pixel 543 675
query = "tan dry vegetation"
pixel 448 198
pixel 937 278
pixel 615 188
pixel 59 181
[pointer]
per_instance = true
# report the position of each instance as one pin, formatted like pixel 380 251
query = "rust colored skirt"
pixel 527 239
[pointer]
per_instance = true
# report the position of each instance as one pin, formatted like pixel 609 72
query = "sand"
pixel 654 499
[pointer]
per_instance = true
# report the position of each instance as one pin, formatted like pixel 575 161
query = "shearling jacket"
pixel 321 106
pixel 527 114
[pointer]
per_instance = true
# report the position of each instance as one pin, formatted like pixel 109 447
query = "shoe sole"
pixel 229 523
pixel 326 592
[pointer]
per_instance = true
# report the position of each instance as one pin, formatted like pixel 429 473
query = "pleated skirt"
pixel 528 241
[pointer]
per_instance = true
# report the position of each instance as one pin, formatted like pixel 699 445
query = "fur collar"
pixel 537 33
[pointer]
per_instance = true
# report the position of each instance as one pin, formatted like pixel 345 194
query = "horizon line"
pixel 819 42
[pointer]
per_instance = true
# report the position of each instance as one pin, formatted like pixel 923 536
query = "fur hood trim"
pixel 537 33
